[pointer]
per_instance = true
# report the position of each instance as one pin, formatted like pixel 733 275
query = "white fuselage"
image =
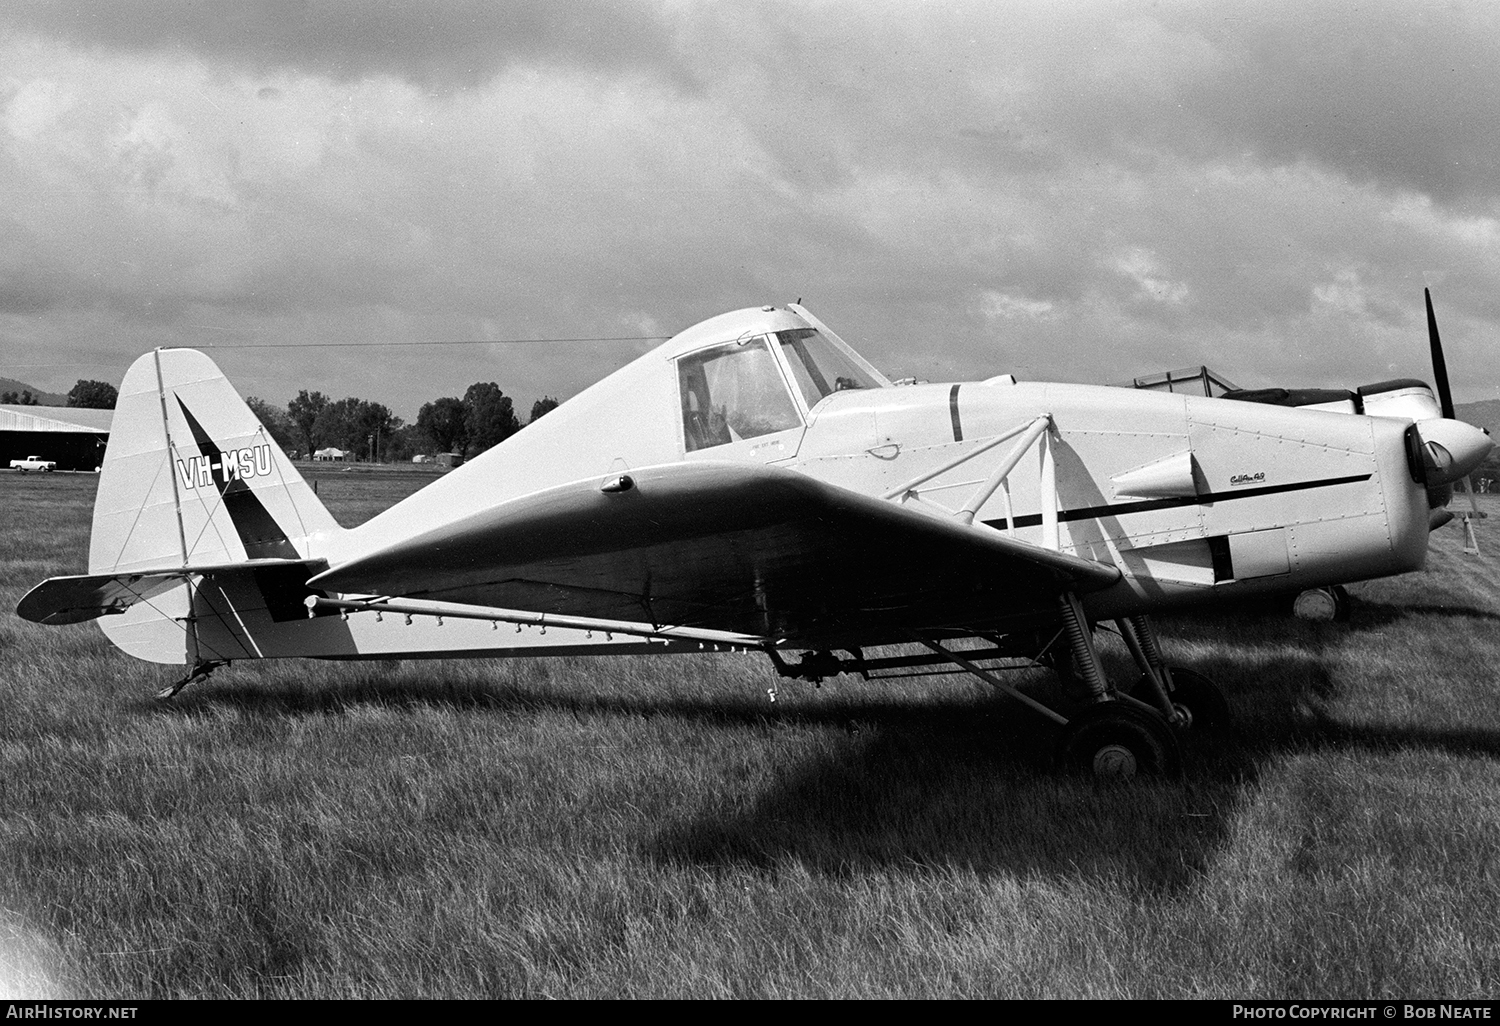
pixel 1190 497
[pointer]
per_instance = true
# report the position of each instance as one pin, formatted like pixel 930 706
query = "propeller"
pixel 1445 399
pixel 1439 365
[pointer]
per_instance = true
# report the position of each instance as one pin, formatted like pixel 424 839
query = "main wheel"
pixel 1199 700
pixel 1116 741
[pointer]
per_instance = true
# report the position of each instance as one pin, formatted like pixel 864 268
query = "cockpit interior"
pixel 760 384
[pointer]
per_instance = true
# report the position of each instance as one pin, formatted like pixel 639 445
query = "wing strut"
pixel 996 683
pixel 1087 665
pixel 1031 433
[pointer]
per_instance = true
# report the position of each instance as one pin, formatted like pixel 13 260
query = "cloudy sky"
pixel 1080 192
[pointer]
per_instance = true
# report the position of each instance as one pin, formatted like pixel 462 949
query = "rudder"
pixel 191 477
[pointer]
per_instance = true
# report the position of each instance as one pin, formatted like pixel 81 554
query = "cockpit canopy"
pixel 760 384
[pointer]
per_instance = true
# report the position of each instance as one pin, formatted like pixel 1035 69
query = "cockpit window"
pixel 733 392
pixel 820 367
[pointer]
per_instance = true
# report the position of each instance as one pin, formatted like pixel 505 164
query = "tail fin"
pixel 191 477
pixel 205 538
pixel 196 504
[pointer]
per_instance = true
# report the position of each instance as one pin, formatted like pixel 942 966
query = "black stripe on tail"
pixel 261 535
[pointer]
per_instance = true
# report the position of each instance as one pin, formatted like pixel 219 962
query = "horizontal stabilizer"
pixel 61 600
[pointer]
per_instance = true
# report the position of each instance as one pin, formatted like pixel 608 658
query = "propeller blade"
pixel 1439 365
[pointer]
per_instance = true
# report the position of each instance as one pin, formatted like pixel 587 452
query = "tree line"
pixel 484 417
pixel 86 395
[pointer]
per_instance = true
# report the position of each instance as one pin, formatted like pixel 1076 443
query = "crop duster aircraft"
pixel 754 484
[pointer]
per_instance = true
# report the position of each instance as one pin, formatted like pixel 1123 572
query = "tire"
pixel 1320 605
pixel 1201 699
pixel 1119 742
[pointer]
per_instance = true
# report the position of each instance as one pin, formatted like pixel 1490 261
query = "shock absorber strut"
pixel 1135 631
pixel 1085 660
pixel 1147 637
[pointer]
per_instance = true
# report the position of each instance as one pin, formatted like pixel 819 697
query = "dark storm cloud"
pixel 434 44
pixel 31 281
pixel 1400 95
pixel 1404 95
pixel 27 294
pixel 1082 191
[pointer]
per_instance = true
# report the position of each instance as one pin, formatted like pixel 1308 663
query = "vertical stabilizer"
pixel 192 478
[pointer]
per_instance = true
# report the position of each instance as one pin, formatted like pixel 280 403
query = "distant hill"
pixel 42 398
pixel 1485 414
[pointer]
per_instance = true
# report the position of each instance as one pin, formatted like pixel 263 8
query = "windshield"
pixel 733 392
pixel 820 367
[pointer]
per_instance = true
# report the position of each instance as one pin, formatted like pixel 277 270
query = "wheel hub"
pixel 1114 762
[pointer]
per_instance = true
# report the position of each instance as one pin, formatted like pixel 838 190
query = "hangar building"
pixel 75 438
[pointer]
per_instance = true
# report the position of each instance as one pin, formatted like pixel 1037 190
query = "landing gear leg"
pixel 1086 666
pixel 1199 700
pixel 1116 737
pixel 1141 641
pixel 1189 699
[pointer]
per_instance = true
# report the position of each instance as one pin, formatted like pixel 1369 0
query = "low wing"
pixel 727 546
pixel 60 600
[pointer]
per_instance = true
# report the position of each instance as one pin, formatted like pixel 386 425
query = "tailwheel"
pixel 1199 700
pixel 1116 741
pixel 1327 605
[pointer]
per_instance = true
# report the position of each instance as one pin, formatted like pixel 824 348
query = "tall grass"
pixel 656 827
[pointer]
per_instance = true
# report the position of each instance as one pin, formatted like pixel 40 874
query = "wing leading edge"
pixel 726 546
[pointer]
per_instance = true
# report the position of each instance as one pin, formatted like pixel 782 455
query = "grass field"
pixel 654 827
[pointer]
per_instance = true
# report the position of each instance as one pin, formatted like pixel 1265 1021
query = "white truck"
pixel 33 463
